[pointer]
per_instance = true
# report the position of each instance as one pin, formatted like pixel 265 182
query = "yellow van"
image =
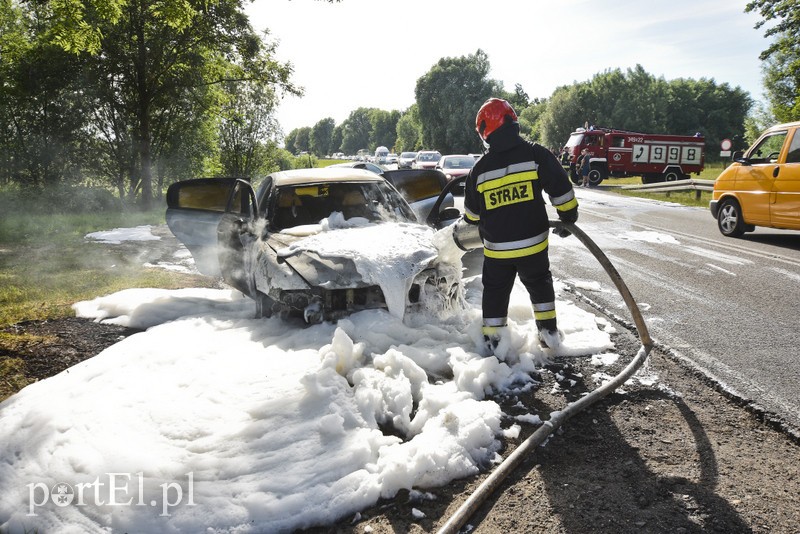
pixel 762 186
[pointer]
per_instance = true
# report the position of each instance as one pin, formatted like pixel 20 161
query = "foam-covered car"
pixel 314 243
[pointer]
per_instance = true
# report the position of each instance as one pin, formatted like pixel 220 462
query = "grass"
pixel 46 264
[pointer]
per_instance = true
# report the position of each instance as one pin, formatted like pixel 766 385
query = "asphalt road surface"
pixel 731 306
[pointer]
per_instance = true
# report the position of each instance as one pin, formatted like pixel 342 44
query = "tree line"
pixel 449 95
pixel 132 95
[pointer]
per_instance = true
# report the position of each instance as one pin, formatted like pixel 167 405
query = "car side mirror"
pixel 448 214
pixel 738 157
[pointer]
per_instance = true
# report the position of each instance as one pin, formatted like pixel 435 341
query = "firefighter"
pixel 504 197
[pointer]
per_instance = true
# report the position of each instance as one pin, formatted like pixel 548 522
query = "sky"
pixel 209 418
pixel 370 53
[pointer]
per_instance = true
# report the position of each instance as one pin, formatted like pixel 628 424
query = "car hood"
pixel 389 255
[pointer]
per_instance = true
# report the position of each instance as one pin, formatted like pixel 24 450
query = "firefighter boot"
pixel 491 338
pixel 550 337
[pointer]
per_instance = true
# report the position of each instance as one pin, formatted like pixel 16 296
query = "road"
pixel 730 306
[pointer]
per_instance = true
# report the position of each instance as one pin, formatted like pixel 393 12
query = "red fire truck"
pixel 618 153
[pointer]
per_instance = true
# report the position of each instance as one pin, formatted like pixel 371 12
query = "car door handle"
pixel 775 171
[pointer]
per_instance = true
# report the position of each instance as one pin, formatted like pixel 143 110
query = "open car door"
pixel 213 218
pixel 422 188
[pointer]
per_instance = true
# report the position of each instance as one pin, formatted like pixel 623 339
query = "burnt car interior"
pixel 309 204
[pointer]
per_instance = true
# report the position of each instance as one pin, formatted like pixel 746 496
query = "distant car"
pixel 762 186
pixel 405 160
pixel 381 153
pixel 455 166
pixel 426 159
pixel 269 242
pixel 391 159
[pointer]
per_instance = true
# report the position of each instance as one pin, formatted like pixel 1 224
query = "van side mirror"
pixel 738 157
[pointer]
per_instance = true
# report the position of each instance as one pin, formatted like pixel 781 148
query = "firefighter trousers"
pixel 534 273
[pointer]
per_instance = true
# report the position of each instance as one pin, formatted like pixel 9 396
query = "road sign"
pixel 726 144
pixel 724 153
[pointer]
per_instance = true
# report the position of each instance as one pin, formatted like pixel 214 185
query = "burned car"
pixel 314 243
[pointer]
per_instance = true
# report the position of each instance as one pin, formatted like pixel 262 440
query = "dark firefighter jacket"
pixel 504 194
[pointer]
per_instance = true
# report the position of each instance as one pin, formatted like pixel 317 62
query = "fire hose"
pixel 557 419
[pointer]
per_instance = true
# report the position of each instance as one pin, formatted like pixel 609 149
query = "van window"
pixel 768 150
pixel 794 149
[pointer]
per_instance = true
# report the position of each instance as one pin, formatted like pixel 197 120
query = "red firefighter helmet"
pixel 492 116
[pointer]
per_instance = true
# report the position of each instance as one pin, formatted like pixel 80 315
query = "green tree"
pixel 715 110
pixel 302 142
pixel 530 119
pixel 638 101
pixel 566 110
pixel 357 131
pixel 336 138
pixel 782 84
pixel 518 99
pixel 409 131
pixel 321 137
pixel 383 128
pixel 782 56
pixel 43 113
pixel 290 141
pixel 247 130
pixel 155 51
pixel 758 120
pixel 448 96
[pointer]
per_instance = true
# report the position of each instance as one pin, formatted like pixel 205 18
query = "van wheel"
pixel 730 220
pixel 672 175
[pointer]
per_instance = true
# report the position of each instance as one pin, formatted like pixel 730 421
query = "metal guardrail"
pixel 678 185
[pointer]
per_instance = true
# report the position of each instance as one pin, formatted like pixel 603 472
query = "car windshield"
pixel 465 162
pixel 408 155
pixel 574 140
pixel 429 156
pixel 310 203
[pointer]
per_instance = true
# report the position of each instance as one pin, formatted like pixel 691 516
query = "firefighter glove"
pixel 561 231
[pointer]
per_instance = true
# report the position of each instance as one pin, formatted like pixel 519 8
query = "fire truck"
pixel 619 153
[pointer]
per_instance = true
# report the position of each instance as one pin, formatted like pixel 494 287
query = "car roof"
pixel 324 174
pixel 784 126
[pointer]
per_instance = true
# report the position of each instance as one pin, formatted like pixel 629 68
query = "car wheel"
pixel 730 220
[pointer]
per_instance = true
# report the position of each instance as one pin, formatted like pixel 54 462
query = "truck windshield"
pixel 575 140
